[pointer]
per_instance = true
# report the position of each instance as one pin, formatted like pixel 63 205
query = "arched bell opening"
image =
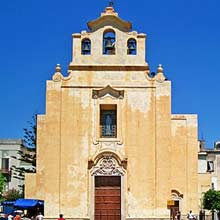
pixel 109 42
pixel 131 46
pixel 86 46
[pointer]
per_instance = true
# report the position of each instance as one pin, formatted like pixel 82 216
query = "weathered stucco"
pixel 158 148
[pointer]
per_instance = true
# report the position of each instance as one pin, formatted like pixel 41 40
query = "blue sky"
pixel 183 35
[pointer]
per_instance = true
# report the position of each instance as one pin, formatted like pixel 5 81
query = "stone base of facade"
pixel 45 218
pixel 207 217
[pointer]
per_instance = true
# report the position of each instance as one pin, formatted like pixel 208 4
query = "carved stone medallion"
pixel 107 166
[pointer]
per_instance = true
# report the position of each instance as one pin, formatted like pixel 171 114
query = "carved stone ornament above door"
pixel 119 94
pixel 107 166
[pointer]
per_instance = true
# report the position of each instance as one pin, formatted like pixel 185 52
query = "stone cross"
pixel 111 3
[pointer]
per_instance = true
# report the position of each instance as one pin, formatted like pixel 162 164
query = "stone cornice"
pixel 108 68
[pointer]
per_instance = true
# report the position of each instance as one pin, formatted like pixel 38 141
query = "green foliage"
pixel 2 186
pixel 27 155
pixel 211 200
pixel 2 183
pixel 13 195
pixel 30 133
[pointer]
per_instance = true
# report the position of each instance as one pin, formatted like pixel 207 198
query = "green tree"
pixel 28 154
pixel 211 200
pixel 2 186
pixel 30 133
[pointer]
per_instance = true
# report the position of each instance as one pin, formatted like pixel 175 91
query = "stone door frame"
pixel 107 164
pixel 177 196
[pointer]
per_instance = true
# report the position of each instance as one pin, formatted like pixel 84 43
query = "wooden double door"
pixel 174 210
pixel 107 198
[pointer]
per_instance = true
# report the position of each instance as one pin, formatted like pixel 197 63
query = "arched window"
pixel 131 47
pixel 86 46
pixel 109 42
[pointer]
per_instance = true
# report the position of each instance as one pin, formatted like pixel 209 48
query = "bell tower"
pixel 110 41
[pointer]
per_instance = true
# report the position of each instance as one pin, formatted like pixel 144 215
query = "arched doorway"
pixel 107 187
pixel 176 197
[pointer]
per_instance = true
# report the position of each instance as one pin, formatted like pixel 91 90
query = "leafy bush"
pixel 211 200
pixel 12 195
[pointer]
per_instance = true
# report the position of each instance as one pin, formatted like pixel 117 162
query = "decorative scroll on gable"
pixel 119 94
pixel 57 77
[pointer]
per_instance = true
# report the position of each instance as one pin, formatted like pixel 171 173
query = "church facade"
pixel 108 146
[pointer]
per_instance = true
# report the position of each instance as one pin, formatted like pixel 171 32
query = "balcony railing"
pixel 108 131
pixel 5 171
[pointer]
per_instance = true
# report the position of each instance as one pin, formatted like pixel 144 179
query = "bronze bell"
pixel 131 47
pixel 86 48
pixel 108 44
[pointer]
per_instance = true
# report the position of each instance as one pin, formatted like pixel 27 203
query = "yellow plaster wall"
pixel 184 160
pixel 163 146
pixel 140 151
pixel 75 138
